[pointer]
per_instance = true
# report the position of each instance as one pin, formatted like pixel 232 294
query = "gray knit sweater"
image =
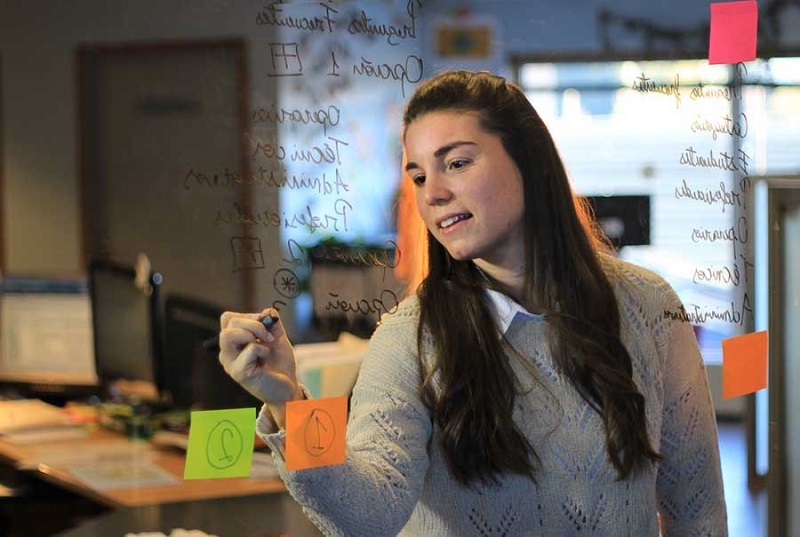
pixel 395 479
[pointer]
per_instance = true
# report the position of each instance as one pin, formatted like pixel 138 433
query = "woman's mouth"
pixel 451 220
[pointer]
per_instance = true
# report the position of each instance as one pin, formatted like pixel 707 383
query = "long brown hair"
pixel 473 400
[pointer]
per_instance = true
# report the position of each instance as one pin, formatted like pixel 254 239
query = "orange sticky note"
pixel 734 31
pixel 315 432
pixel 744 364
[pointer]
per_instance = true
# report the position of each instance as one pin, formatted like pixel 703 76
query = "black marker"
pixel 268 321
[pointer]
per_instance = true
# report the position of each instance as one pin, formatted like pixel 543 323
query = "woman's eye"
pixel 457 164
pixel 418 179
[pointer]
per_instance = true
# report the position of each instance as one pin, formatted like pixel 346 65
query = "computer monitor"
pixel 46 338
pixel 625 219
pixel 193 377
pixel 127 329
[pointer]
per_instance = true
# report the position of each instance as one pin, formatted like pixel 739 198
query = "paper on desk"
pixel 89 453
pixel 118 475
pixel 26 414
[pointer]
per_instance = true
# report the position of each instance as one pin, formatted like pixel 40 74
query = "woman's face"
pixel 469 191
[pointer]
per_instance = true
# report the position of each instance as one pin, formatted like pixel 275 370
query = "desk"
pixel 142 507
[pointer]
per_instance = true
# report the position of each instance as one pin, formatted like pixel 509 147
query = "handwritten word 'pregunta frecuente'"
pixel 273 15
pixel 267 178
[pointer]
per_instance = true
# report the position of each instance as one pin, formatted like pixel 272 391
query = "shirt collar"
pixel 506 309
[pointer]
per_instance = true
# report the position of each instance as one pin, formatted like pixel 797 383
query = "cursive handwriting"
pixel 326 153
pixel 724 274
pixel 723 125
pixel 697 315
pixel 307 219
pixel 736 233
pixel 272 15
pixel 268 178
pixel 645 85
pixel 721 195
pixel 387 302
pixel 394 34
pixel 411 71
pixel 327 117
pixel 722 160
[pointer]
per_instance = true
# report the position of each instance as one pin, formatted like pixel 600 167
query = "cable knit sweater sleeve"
pixel 374 492
pixel 689 482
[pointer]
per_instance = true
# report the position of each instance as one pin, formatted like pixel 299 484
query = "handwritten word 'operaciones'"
pixel 645 85
pixel 735 233
pixel 411 71
pixel 272 15
pixel 724 125
pixel 387 302
pixel 325 153
pixel 697 315
pixel 327 117
pixel 267 178
pixel 306 220
pixel 393 34
pixel 724 274
pixel 722 160
pixel 721 195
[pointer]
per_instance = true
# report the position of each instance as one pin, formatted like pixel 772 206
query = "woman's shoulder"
pixel 406 312
pixel 637 282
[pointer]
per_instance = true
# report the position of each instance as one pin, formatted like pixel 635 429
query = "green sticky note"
pixel 220 443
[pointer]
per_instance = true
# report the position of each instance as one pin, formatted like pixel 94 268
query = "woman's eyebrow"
pixel 441 151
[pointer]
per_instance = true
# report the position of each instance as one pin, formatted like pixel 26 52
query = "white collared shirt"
pixel 506 309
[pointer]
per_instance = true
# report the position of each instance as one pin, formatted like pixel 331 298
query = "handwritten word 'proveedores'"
pixel 645 85
pixel 268 178
pixel 722 195
pixel 724 125
pixel 697 315
pixel 273 15
pixel 722 161
pixel 327 117
pixel 318 154
pixel 307 220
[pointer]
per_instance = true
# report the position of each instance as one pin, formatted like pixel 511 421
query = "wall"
pixel 41 206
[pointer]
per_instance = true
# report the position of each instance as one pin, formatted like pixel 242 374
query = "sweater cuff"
pixel 268 430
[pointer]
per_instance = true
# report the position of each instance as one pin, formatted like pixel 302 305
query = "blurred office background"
pixel 248 161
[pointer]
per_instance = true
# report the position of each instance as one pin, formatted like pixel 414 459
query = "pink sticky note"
pixel 734 28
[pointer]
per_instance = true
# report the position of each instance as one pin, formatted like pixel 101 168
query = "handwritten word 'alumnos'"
pixel 327 117
pixel 697 315
pixel 327 153
pixel 267 178
pixel 721 195
pixel 722 160
pixel 724 274
pixel 387 302
pixel 735 233
pixel 308 219
pixel 272 15
pixel 393 34
pixel 645 85
pixel 411 71
pixel 724 125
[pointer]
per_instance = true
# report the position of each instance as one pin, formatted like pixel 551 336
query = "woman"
pixel 533 385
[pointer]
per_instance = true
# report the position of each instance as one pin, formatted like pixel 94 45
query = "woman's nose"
pixel 436 192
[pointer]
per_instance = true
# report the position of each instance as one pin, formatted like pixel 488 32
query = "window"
pixel 689 135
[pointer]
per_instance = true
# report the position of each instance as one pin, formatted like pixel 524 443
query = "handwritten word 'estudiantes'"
pixel 325 22
pixel 721 160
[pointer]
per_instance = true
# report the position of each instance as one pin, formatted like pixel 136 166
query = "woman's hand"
pixel 260 359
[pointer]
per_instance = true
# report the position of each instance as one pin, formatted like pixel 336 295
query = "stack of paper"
pixel 32 420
